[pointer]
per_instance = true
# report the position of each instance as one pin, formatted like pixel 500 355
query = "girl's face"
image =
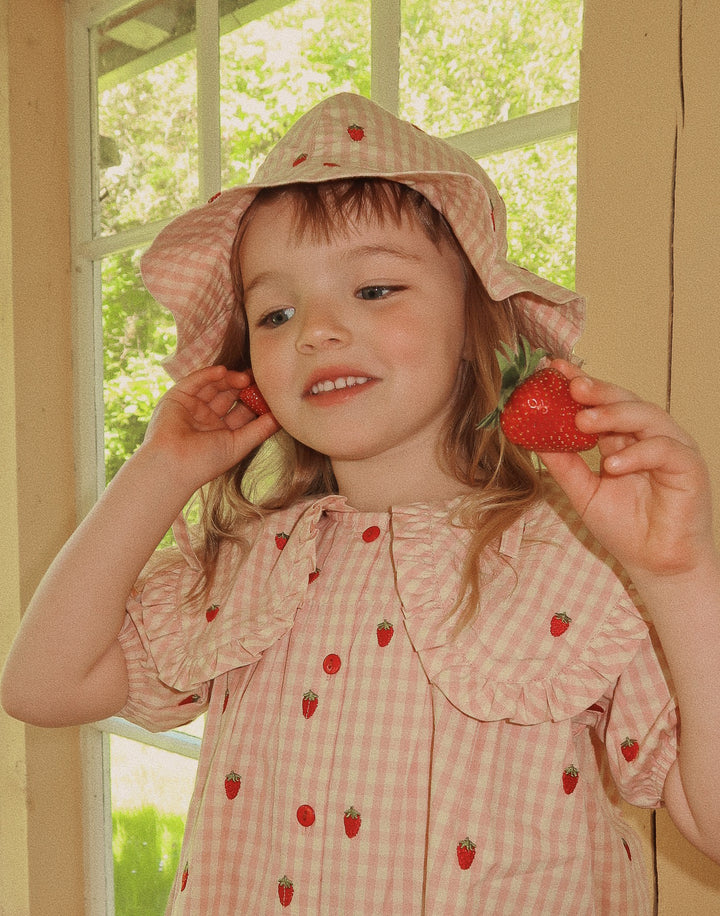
pixel 355 341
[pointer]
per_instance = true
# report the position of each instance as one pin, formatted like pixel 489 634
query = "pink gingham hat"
pixel 187 268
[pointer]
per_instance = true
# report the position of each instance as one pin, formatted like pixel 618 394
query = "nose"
pixel 321 328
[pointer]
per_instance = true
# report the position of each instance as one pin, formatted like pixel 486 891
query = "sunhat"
pixel 187 268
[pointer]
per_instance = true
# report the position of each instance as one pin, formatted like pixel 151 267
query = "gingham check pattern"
pixel 432 738
pixel 187 267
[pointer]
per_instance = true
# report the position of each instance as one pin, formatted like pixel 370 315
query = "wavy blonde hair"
pixel 282 471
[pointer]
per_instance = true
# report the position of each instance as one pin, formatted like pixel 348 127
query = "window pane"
pixel 137 334
pixel 151 792
pixel 466 64
pixel 275 68
pixel 146 151
pixel 539 187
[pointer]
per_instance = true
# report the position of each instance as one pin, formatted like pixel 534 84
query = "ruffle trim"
pixel 257 598
pixel 506 665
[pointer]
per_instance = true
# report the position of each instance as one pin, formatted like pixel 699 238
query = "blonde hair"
pixel 282 471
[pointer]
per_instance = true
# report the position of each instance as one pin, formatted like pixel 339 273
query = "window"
pixel 176 99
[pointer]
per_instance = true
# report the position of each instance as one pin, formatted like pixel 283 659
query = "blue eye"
pixel 372 293
pixel 275 319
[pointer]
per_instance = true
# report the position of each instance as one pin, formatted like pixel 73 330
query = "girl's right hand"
pixel 201 430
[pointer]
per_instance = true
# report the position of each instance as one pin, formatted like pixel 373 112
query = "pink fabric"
pixel 429 737
pixel 187 268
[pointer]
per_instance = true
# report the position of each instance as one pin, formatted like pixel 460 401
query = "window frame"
pixel 88 250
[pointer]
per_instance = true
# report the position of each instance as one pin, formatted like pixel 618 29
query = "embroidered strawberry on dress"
pixel 570 778
pixel 465 853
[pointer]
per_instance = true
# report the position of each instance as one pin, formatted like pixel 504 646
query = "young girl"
pixel 427 684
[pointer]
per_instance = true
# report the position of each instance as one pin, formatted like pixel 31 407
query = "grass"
pixel 146 850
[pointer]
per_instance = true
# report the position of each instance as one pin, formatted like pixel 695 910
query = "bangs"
pixel 331 208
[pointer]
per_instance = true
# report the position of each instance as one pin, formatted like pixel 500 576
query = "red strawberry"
pixel 212 612
pixel 184 879
pixel 630 749
pixel 225 699
pixel 252 398
pixel 535 408
pixel 384 632
pixel 281 539
pixel 465 853
pixel 570 779
pixel 559 623
pixel 300 159
pixel 356 132
pixel 309 703
pixel 352 821
pixel 313 575
pixel 233 782
pixel 193 698
pixel 285 890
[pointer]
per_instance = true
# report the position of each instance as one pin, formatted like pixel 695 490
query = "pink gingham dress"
pixel 361 758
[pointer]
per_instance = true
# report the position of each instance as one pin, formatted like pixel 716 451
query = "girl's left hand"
pixel 650 504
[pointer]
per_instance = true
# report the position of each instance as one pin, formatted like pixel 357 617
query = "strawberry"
pixel 627 848
pixel 252 399
pixel 313 575
pixel 535 409
pixel 384 633
pixel 630 749
pixel 193 698
pixel 184 879
pixel 570 779
pixel 225 699
pixel 465 853
pixel 300 159
pixel 281 539
pixel 233 782
pixel 285 890
pixel 356 132
pixel 212 612
pixel 309 703
pixel 559 623
pixel 352 822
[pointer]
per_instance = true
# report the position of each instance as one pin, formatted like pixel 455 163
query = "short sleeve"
pixel 641 727
pixel 178 636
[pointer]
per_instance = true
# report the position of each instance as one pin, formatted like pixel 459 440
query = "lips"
pixel 348 381
pixel 330 379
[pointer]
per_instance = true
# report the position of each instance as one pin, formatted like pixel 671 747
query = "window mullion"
pixel 385 25
pixel 208 97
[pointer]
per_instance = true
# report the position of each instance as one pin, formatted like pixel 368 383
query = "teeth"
pixel 331 385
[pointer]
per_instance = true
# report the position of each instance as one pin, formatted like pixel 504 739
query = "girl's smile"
pixel 356 339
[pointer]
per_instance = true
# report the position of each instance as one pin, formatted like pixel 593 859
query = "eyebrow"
pixel 351 254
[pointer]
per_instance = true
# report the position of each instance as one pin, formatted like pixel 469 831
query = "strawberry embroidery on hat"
pixel 214 197
pixel 570 778
pixel 233 782
pixel 352 821
pixel 285 890
pixel 184 879
pixel 465 853
pixel 559 624
pixel 300 159
pixel 356 132
pixel 630 749
pixel 309 704
pixel 385 632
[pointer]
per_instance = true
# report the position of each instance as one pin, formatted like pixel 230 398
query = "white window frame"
pixel 88 250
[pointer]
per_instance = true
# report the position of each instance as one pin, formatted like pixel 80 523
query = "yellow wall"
pixel 648 242
pixel 40 836
pixel 647 222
